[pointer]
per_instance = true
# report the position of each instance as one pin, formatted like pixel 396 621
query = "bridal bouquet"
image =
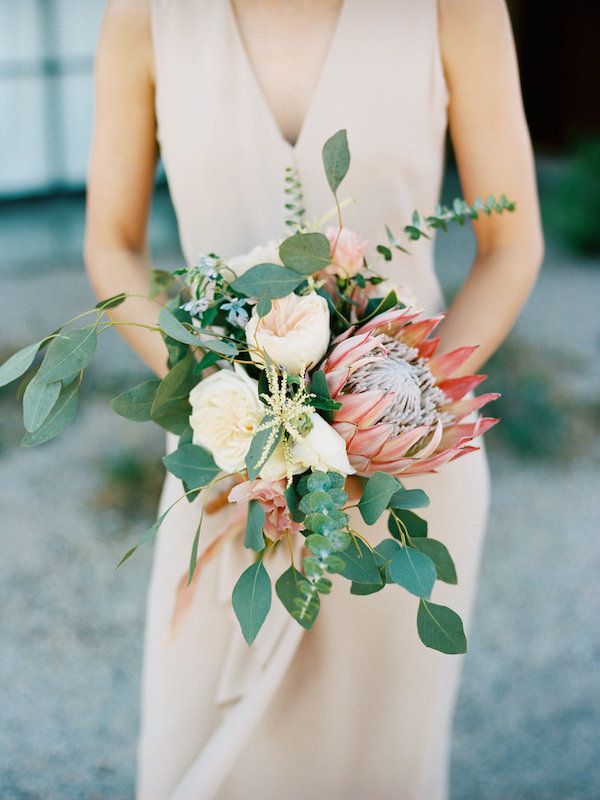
pixel 301 372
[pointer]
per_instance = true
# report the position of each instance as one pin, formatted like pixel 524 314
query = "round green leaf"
pixel 68 353
pixel 306 253
pixel 251 599
pixel 18 364
pixel 38 401
pixel 441 628
pixel 412 570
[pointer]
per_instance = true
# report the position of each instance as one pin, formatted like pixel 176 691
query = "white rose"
pixel 294 334
pixel 403 293
pixel 263 254
pixel 322 448
pixel 225 412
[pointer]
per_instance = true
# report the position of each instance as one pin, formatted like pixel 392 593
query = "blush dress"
pixel 357 707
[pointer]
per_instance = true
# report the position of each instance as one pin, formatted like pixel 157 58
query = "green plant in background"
pixel 131 482
pixel 571 209
pixel 540 418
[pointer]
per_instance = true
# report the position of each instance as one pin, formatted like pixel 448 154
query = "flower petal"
pixel 397 446
pixel 369 441
pixel 462 408
pixel 455 388
pixel 414 333
pixel 444 365
pixel 363 408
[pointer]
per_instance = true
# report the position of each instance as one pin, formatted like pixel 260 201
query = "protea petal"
pixel 465 431
pixel 416 332
pixel 351 350
pixel 445 364
pixel 397 446
pixel 336 381
pixel 462 408
pixel 428 347
pixel 433 443
pixel 363 408
pixel 369 441
pixel 390 321
pixel 455 388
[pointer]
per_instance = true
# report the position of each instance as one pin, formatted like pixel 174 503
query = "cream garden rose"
pixel 322 448
pixel 225 412
pixel 294 334
pixel 263 254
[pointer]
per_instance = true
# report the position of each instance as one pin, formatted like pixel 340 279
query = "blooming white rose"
pixel 263 254
pixel 295 332
pixel 225 412
pixel 322 448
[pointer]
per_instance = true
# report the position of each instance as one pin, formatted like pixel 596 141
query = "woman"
pixel 232 92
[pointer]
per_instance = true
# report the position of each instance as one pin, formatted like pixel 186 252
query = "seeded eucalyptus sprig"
pixel 459 213
pixel 295 200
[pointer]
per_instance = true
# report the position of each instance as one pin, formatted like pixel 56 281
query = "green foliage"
pixel 68 353
pixel 256 456
pixel 172 327
pixel 440 628
pixel 571 208
pixel 251 599
pixel 38 401
pixel 292 588
pixel 360 564
pixel 18 364
pixel 136 403
pixel 160 281
pixel 438 553
pixel 111 302
pixel 409 498
pixel 267 281
pixel 336 159
pixel 305 253
pixel 413 570
pixel 192 464
pixel 173 392
pixel 63 411
pixel 295 200
pixel 378 491
pixel 254 526
pixel 415 525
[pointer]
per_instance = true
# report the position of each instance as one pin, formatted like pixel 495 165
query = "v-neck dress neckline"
pixel 326 67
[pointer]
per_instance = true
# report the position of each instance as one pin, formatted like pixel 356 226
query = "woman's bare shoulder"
pixel 472 31
pixel 126 32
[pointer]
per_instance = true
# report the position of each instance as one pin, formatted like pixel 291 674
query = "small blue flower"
pixel 237 313
pixel 204 262
pixel 196 307
pixel 210 273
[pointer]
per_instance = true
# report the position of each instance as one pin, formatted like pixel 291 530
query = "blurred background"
pixel 528 721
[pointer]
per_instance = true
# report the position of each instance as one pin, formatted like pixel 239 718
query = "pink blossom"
pixel 271 497
pixel 347 253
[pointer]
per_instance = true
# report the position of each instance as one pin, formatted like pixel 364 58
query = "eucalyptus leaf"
pixel 111 302
pixel 160 281
pixel 360 566
pixel 254 461
pixel 170 325
pixel 59 417
pixel 306 253
pixel 263 306
pixel 136 403
pixel 336 159
pixel 174 389
pixel 320 387
pixel 254 526
pixel 148 535
pixel 441 628
pixel 409 498
pixel 438 553
pixel 18 364
pixel 251 599
pixel 378 491
pixel 38 402
pixel 416 526
pixel 207 360
pixel 192 464
pixel 175 421
pixel 68 353
pixel 412 570
pixel 267 281
pixel 287 588
pixel 292 499
pixel 384 552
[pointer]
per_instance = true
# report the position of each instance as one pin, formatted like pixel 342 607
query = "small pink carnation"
pixel 349 252
pixel 271 497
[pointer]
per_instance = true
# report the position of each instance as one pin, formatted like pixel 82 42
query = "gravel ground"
pixel 529 711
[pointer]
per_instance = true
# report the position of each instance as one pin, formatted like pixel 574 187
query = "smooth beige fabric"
pixel 358 707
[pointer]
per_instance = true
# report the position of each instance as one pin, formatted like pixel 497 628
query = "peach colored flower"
pixel 349 252
pixel 271 497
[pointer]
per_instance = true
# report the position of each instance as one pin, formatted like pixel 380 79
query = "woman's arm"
pixel 494 156
pixel 121 178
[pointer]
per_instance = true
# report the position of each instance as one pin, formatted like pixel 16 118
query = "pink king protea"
pixel 401 409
